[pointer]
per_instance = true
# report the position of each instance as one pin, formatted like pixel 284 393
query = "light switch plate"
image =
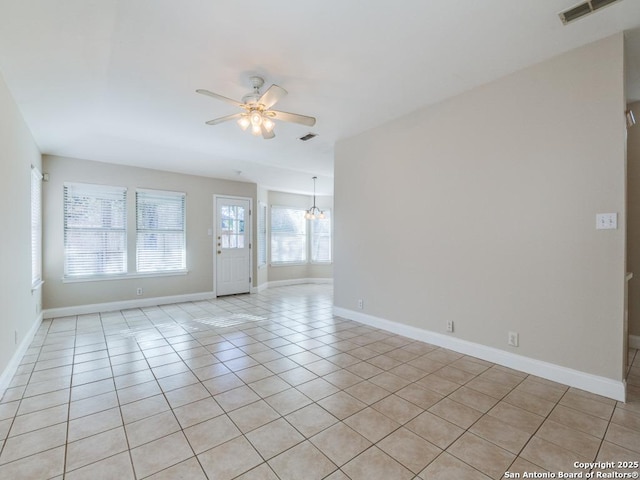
pixel 606 221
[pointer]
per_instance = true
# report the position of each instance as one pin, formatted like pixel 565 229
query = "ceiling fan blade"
pixel 216 121
pixel 266 134
pixel 273 94
pixel 219 97
pixel 293 117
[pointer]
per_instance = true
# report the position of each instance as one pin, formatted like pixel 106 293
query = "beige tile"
pixel 38 441
pixel 551 456
pixel 211 433
pixel 9 410
pixel 623 436
pixel 230 459
pixel 342 378
pixel 529 402
pixel 498 375
pixel 274 438
pixel 587 405
pixel 253 374
pixel 471 365
pixel 568 438
pixel 93 424
pixel 340 443
pixel 626 418
pixel 438 384
pixel 321 367
pixel 521 466
pixel 543 389
pixel 302 461
pixel 92 389
pixel 297 376
pixel 132 412
pixel 500 433
pixel 236 398
pixel 447 467
pixel 409 449
pixel 579 421
pixel 364 370
pixel 253 416
pixel 135 378
pixel 160 454
pixel 97 447
pixel 118 466
pixel 40 419
pixel 611 451
pixel 288 401
pixel 341 405
pixel 223 383
pixel 41 465
pixel 474 399
pixel 261 472
pixel 187 470
pixel 151 428
pixel 397 409
pixel 138 392
pixel 482 455
pixel 408 372
pixel 371 424
pixel 516 417
pixel 269 386
pixel 367 392
pixel 91 405
pixel 374 464
pixel 456 413
pixel 311 419
pixel 435 429
pixel 488 387
pixel 454 375
pixel 426 364
pixel 317 389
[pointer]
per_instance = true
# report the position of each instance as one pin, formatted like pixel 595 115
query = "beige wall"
pixel 19 306
pixel 309 270
pixel 199 219
pixel 633 221
pixel 481 210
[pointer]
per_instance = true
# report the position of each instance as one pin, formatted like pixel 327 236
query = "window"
pixel 95 219
pixel 262 234
pixel 288 235
pixel 36 227
pixel 321 239
pixel 160 240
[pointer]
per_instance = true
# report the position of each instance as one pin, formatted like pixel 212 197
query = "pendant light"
pixel 314 212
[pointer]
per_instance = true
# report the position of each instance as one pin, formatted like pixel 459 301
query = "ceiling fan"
pixel 257 112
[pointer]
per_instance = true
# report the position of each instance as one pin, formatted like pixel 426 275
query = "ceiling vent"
pixel 582 9
pixel 308 136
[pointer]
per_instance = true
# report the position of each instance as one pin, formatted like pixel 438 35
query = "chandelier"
pixel 314 212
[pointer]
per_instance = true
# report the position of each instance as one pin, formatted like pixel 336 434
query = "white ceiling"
pixel 115 80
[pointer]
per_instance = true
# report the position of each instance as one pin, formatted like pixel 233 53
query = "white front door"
pixel 233 245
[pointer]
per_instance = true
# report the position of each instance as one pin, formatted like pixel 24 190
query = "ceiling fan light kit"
pixel 257 110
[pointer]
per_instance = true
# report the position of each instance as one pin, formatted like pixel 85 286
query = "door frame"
pixel 214 237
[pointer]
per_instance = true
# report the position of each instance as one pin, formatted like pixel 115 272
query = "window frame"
pixel 36 227
pixel 305 235
pixel 140 232
pixel 312 235
pixel 106 190
pixel 262 235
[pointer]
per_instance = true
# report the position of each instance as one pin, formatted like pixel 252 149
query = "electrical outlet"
pixel 513 339
pixel 138 291
pixel 360 303
pixel 449 325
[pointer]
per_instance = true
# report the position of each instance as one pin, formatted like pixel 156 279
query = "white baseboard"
pixel 125 304
pixel 298 281
pixel 7 375
pixel 634 341
pixel 567 376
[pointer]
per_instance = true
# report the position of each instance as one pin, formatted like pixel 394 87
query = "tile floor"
pixel 272 386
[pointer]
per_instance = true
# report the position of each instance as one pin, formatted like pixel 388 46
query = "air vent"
pixel 582 9
pixel 308 136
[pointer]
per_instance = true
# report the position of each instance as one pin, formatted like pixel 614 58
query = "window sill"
pixel 289 264
pixel 36 285
pixel 100 278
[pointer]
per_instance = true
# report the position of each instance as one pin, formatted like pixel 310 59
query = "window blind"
pixel 95 219
pixel 321 239
pixel 160 222
pixel 288 235
pixel 36 226
pixel 262 234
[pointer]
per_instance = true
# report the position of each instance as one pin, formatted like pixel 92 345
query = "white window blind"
pixel 262 234
pixel 95 219
pixel 288 235
pixel 321 239
pixel 160 240
pixel 36 226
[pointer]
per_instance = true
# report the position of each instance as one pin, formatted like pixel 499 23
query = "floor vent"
pixel 582 9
